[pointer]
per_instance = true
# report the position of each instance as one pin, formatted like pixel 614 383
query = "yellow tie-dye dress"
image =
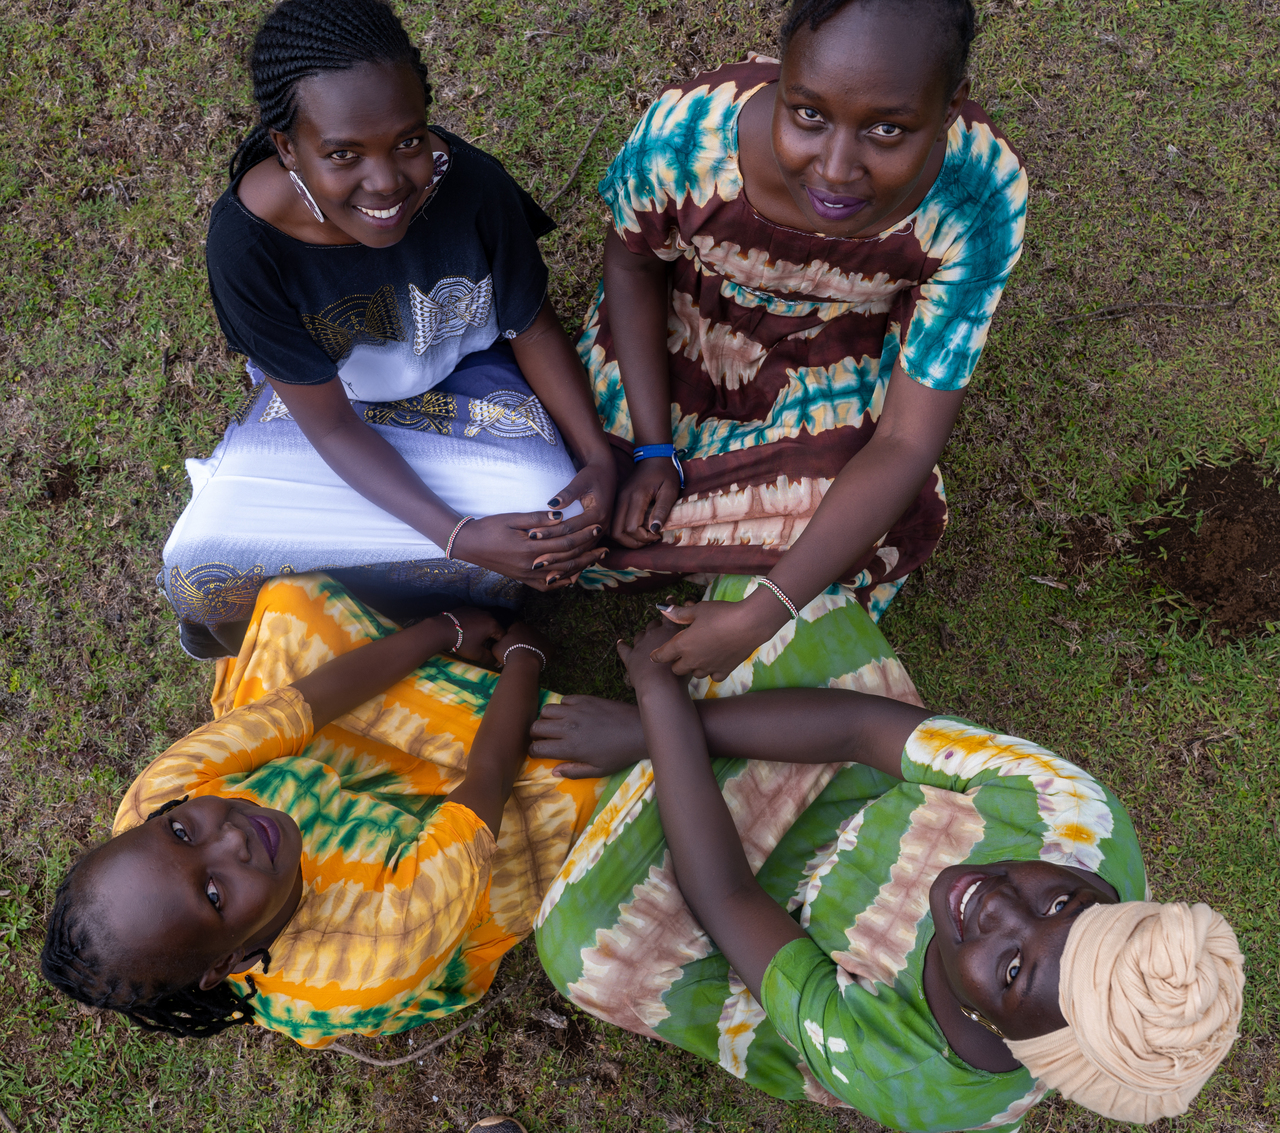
pixel 408 903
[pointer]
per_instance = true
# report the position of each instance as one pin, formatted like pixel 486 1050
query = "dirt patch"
pixel 1220 546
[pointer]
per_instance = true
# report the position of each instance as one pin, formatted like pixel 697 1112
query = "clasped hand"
pixel 542 549
pixel 717 636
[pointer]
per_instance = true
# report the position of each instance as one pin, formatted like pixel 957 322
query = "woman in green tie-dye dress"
pixel 852 852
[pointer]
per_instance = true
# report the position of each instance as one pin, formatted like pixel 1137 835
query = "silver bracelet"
pixel 531 648
pixel 457 625
pixel 790 605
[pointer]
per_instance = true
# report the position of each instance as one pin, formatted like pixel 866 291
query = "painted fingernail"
pixel 595 533
pixel 535 535
pixel 664 609
pixel 554 501
pixel 554 578
pixel 556 515
pixel 655 527
pixel 539 566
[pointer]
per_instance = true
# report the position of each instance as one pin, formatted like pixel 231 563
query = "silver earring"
pixel 306 196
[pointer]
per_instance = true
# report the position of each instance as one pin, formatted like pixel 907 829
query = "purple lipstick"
pixel 267 833
pixel 832 207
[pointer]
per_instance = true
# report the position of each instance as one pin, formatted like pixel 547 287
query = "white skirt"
pixel 265 503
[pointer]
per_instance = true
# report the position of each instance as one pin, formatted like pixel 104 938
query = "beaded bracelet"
pixel 531 648
pixel 649 452
pixel 790 605
pixel 448 550
pixel 457 644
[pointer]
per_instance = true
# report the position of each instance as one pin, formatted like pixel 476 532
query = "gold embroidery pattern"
pixel 454 304
pixel 212 593
pixel 357 318
pixel 427 411
pixel 241 415
pixel 506 413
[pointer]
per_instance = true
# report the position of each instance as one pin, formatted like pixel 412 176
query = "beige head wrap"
pixel 1151 994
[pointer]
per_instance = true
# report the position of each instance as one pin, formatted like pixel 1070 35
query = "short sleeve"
pixel 879 1053
pixel 1034 802
pixel 681 154
pixel 972 222
pixel 238 743
pixel 251 302
pixel 509 225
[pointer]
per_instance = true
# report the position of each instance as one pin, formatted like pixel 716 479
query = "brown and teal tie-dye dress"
pixel 782 342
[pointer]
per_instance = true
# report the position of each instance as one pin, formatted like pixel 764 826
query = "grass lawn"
pixel 1150 130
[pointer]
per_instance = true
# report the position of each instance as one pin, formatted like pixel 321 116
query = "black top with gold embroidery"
pixel 391 322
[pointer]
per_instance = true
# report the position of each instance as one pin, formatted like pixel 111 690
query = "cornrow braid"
pixel 300 38
pixel 75 960
pixel 955 19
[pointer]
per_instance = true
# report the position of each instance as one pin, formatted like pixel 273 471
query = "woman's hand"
pixel 641 658
pixel 719 636
pixel 479 631
pixel 536 547
pixel 594 488
pixel 522 634
pixel 644 502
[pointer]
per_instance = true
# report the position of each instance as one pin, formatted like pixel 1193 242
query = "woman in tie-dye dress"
pixel 340 850
pixel 803 261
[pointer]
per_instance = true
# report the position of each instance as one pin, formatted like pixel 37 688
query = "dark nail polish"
pixel 655 527
pixel 556 515
pixel 539 566
pixel 554 578
pixel 535 535
pixel 595 532
pixel 554 501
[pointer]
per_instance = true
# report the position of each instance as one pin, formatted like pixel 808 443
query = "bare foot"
pixel 592 736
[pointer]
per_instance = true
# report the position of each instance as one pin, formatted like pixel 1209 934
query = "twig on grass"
pixel 8 1125
pixel 505 993
pixel 1119 310
pixel 581 158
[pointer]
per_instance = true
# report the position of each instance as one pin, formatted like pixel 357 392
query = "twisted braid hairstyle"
pixel 953 20
pixel 301 38
pixel 77 959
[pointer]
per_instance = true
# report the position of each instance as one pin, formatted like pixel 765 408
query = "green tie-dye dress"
pixel 852 854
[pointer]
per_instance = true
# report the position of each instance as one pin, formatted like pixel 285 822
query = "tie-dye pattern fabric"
pixel 408 903
pixel 851 853
pixel 782 342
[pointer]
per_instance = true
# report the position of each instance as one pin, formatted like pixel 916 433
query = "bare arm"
pixel 710 865
pixel 797 725
pixel 349 680
pixel 638 289
pixel 871 492
pixel 502 742
pixel 554 372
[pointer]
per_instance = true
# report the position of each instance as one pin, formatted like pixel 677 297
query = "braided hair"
pixel 77 960
pixel 955 19
pixel 301 38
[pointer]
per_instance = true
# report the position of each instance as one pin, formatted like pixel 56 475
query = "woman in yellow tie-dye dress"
pixel 348 847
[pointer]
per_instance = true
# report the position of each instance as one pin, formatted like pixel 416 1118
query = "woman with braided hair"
pixel 347 847
pixel 416 406
pixel 804 260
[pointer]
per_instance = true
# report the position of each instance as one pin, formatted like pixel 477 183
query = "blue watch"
pixel 663 452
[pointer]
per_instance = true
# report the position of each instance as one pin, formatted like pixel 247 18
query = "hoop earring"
pixel 974 1017
pixel 306 196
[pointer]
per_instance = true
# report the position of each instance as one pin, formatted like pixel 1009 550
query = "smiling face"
pixel 197 886
pixel 1000 930
pixel 360 145
pixel 860 118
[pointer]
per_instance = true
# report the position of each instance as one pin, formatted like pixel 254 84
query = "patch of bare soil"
pixel 1221 548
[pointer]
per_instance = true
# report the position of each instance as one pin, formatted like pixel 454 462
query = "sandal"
pixel 497 1125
